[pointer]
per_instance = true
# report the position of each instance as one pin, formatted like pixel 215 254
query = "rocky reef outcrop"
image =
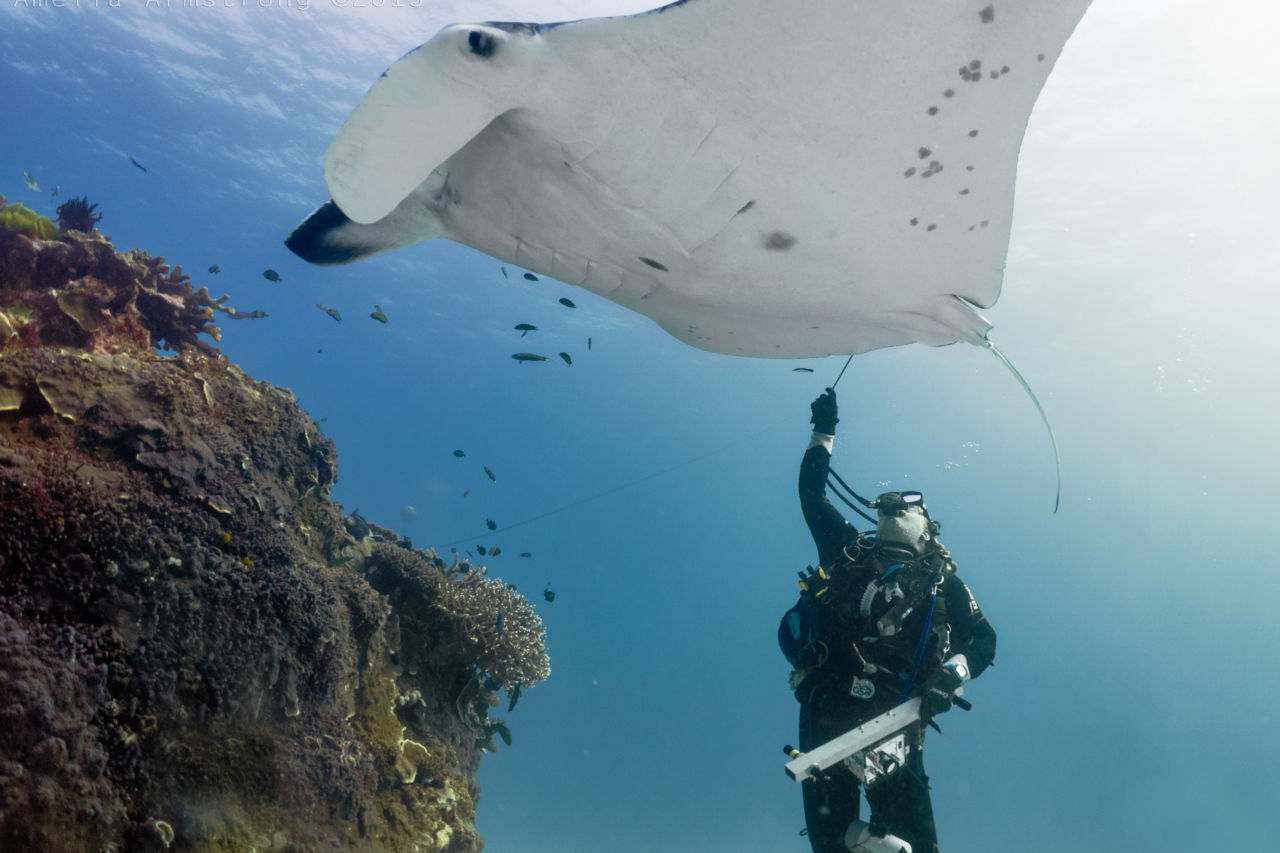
pixel 196 653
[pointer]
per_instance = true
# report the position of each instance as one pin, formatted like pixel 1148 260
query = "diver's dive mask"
pixel 892 503
pixel 903 524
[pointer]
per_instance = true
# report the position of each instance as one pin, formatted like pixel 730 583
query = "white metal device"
pixel 861 739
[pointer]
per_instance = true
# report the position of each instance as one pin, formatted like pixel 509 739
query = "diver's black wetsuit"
pixel 849 639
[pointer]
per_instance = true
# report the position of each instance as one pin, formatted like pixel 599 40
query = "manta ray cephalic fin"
pixel 1057 458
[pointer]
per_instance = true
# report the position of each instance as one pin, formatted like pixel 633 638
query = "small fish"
pixel 30 181
pixel 567 303
pixel 467 492
pixel 57 190
pixel 214 270
pixel 272 275
pixel 500 729
pixel 525 328
pixel 332 312
pixel 515 697
pixel 530 277
pixel 504 273
pixel 135 162
pixel 459 453
pixel 528 356
pixel 526 553
pixel 565 356
pixel 802 370
pixel 482 550
pixel 498 623
pixel 491 524
pixel 588 343
pixel 246 315
pixel 358 527
pixel 495 551
pixel 378 315
pixel 550 595
pixel 489 472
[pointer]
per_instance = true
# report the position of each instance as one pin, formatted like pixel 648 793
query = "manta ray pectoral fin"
pixel 423 109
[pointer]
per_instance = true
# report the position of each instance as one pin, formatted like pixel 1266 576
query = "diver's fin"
pixel 1057 459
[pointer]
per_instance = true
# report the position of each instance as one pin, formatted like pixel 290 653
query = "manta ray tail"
pixel 1057 459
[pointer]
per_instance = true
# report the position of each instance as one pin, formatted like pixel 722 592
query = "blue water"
pixel 1132 702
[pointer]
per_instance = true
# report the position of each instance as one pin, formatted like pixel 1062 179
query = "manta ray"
pixel 760 178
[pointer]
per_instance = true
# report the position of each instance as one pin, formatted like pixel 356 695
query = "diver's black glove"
pixel 938 693
pixel 824 410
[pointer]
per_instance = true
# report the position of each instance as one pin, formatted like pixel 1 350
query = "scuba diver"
pixel 882 619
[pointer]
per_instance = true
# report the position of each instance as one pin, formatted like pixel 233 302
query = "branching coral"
pixel 478 622
pixel 77 214
pixel 499 627
pixel 171 310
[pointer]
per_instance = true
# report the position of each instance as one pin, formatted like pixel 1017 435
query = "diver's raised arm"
pixel 828 527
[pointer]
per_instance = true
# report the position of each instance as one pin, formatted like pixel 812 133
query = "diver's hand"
pixel 824 411
pixel 938 693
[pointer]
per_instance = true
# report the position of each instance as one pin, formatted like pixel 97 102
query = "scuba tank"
pixel 860 840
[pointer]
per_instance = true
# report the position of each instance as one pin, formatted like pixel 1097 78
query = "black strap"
pixel 835 491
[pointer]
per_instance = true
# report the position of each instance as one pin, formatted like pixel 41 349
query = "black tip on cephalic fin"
pixel 1053 440
pixel 328 237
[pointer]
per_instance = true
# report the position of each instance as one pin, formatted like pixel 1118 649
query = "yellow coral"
pixel 23 220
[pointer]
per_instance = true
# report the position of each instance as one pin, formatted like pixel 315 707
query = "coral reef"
pixel 195 652
pixel 76 214
pixel 80 293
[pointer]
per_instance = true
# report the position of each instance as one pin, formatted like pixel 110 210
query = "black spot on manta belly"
pixel 778 241
pixel 746 207
pixel 987 14
pixel 481 43
pixel 655 264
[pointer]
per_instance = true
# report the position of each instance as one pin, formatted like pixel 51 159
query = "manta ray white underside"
pixel 761 178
